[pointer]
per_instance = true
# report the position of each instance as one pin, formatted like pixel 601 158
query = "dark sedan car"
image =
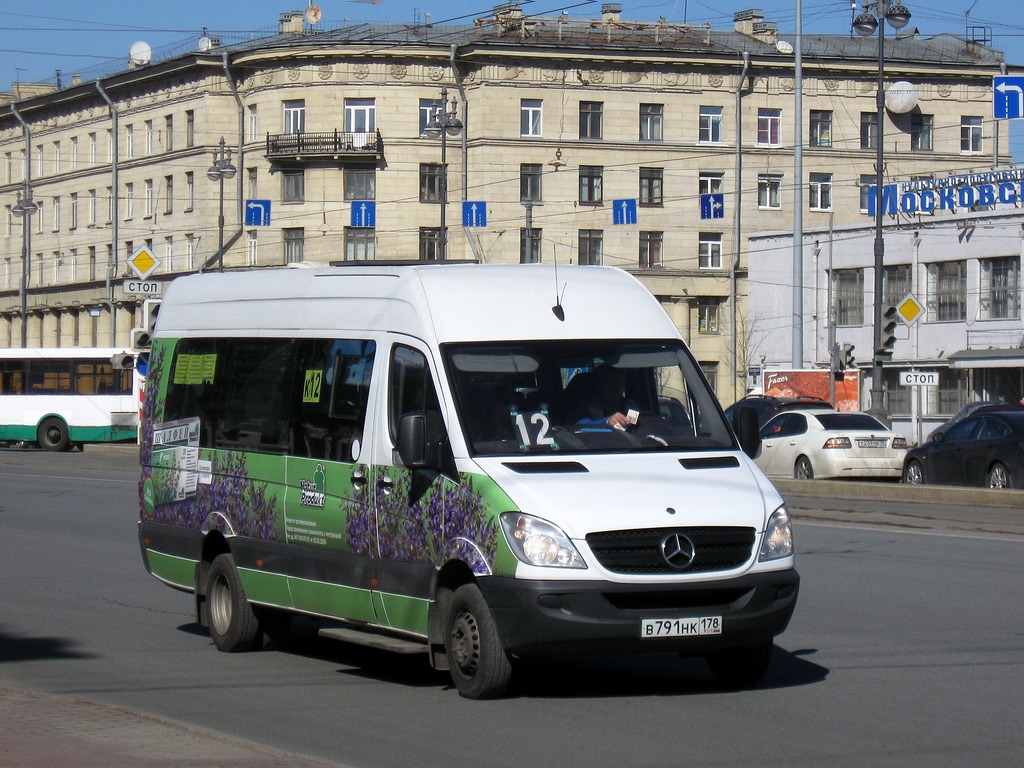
pixel 986 449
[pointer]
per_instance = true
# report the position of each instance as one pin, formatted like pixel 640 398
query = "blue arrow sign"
pixel 474 213
pixel 1007 98
pixel 712 206
pixel 257 213
pixel 364 213
pixel 623 211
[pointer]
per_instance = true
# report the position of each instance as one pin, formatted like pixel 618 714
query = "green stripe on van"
pixel 402 612
pixel 263 587
pixel 179 571
pixel 332 600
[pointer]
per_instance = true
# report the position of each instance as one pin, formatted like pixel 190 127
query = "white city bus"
pixel 62 397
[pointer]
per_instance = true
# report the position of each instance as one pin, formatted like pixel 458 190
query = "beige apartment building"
pixel 655 147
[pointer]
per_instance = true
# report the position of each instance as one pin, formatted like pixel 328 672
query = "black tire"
pixel 913 473
pixel 737 668
pixel 803 470
pixel 999 477
pixel 232 621
pixel 478 664
pixel 53 435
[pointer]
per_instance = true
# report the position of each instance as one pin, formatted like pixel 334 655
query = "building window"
pixel 848 295
pixel 895 283
pixel 707 314
pixel 710 250
pixel 1000 288
pixel 56 213
pixel 56 158
pixel 709 130
pixel 530 113
pixel 651 184
pixel 293 185
pixel 294 245
pixel 74 153
pixel 591 178
pixel 359 242
pixel 74 210
pixel 709 183
pixel 168 133
pixel 591 113
pixel 651 250
pixel 821 128
pixel 710 371
pixel 529 245
pixel 129 141
pixel 947 291
pixel 769 127
pixel 427 109
pixel 921 132
pixel 867 181
pixel 430 183
pixel 295 116
pixel 190 251
pixel 360 184
pixel 530 176
pixel 150 201
pixel 651 116
pixel 769 191
pixel 129 200
pixel 868 130
pixel 190 190
pixel 92 207
pixel 169 253
pixel 190 128
pixel 430 243
pixel 970 134
pixel 591 242
pixel 92 149
pixel 253 121
pixel 149 137
pixel 820 192
pixel 361 121
pixel 253 249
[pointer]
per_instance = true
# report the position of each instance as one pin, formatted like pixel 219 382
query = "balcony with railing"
pixel 332 145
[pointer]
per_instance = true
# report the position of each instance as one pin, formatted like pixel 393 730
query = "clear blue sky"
pixel 93 37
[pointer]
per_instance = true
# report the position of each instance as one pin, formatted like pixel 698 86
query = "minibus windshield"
pixel 543 397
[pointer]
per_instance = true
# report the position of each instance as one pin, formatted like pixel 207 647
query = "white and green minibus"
pixel 60 397
pixel 415 454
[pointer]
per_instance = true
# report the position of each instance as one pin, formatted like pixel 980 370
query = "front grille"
pixel 639 551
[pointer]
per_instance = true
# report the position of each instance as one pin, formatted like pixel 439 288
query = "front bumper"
pixel 550 618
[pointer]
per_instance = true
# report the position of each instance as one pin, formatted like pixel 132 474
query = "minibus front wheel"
pixel 233 624
pixel 478 664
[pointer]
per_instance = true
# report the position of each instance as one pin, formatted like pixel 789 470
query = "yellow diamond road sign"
pixel 143 263
pixel 910 309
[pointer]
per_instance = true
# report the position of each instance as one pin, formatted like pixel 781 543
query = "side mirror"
pixel 745 423
pixel 412 440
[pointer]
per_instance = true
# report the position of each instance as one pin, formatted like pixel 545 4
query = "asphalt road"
pixel 907 649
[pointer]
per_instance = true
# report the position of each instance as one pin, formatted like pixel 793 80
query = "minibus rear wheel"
pixel 479 666
pixel 53 435
pixel 233 624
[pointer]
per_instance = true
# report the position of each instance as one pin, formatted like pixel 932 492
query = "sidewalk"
pixel 45 731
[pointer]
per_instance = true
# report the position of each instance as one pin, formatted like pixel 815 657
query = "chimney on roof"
pixel 76 78
pixel 508 11
pixel 751 23
pixel 611 12
pixel 290 23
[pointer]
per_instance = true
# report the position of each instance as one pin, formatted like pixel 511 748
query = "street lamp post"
pixel 444 123
pixel 24 209
pixel 865 24
pixel 220 170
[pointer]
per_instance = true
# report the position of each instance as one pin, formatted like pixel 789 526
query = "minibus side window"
pixel 255 389
pixel 333 389
pixel 192 391
pixel 411 390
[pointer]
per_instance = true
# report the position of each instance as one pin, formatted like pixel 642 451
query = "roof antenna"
pixel 557 309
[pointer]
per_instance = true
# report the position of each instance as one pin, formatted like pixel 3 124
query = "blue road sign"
pixel 257 213
pixel 1007 98
pixel 623 211
pixel 474 213
pixel 712 206
pixel 364 213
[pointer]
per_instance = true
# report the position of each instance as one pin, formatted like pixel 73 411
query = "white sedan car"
pixel 808 444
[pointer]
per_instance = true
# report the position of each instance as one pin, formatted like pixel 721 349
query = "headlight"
pixel 778 536
pixel 538 542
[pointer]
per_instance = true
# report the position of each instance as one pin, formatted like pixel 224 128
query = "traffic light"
pixel 123 361
pixel 887 340
pixel 143 335
pixel 848 360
